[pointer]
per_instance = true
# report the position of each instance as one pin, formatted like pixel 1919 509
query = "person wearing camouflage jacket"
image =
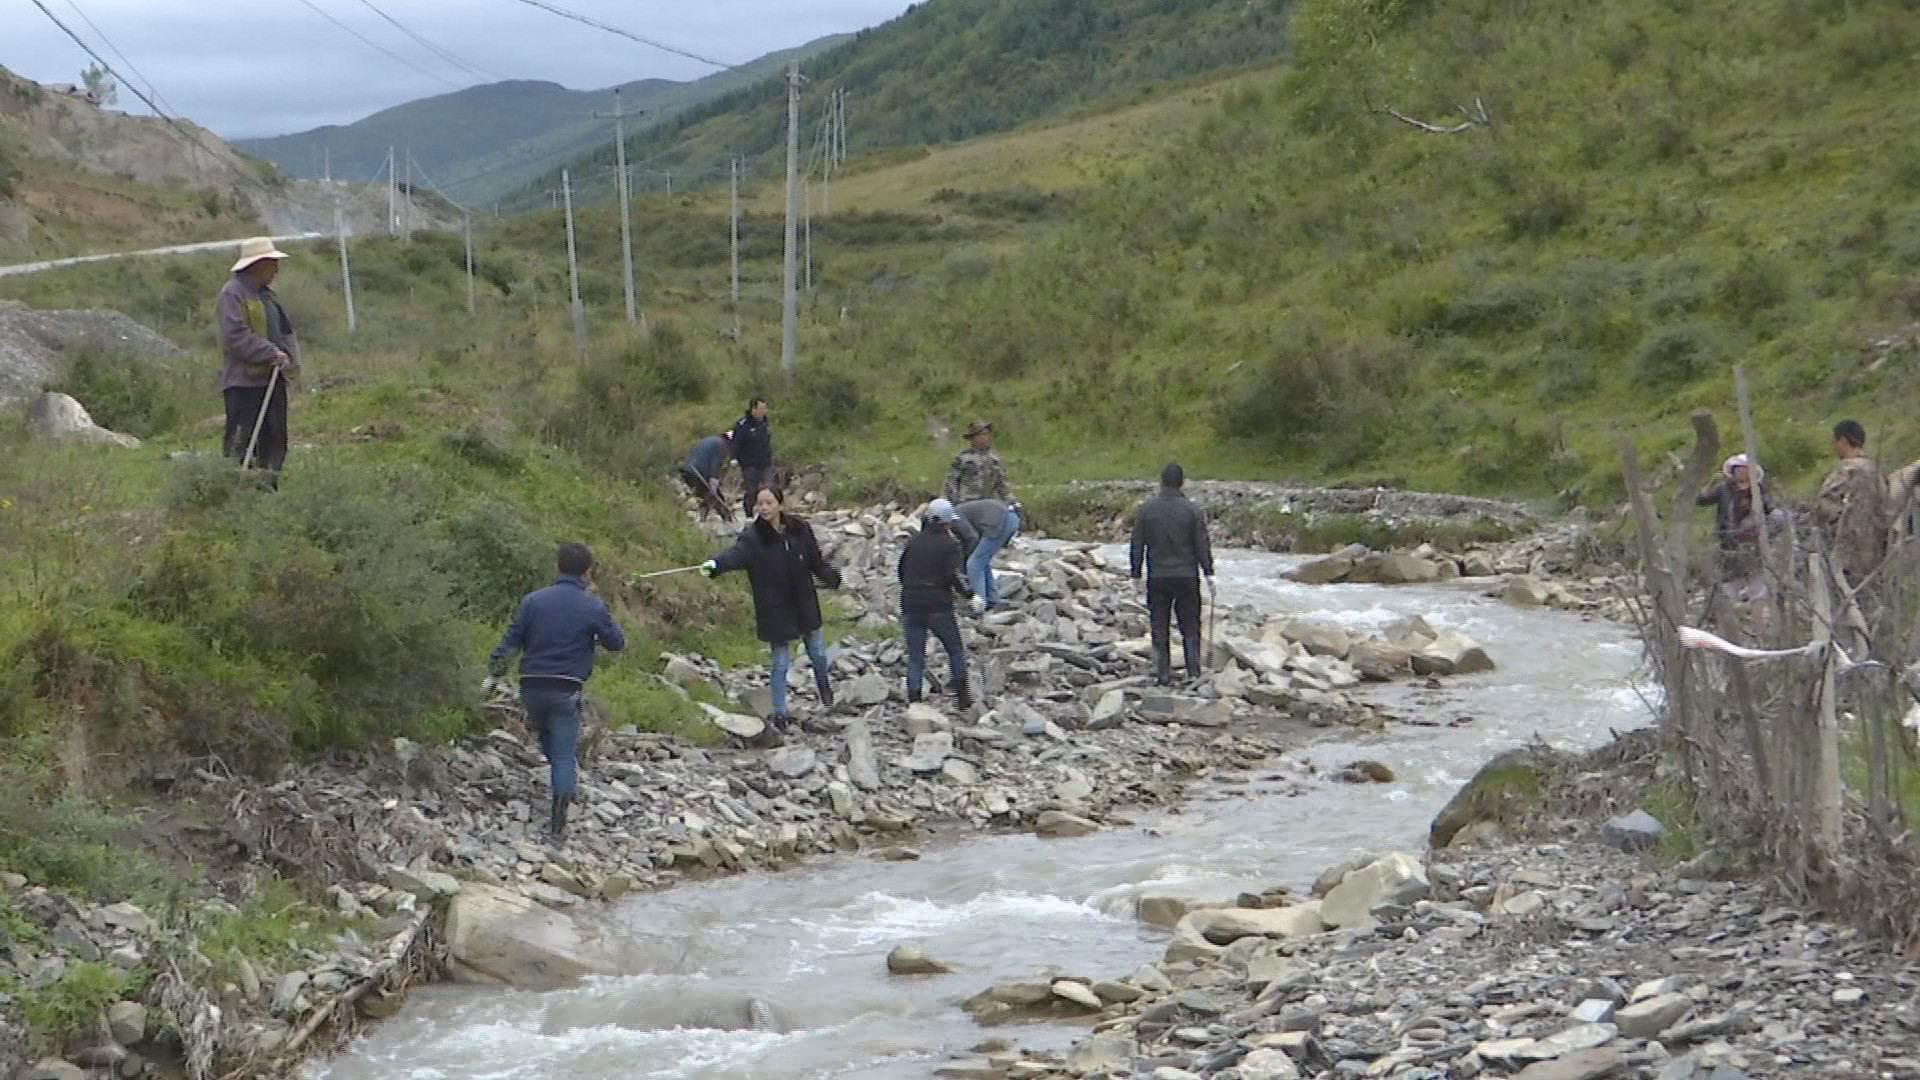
pixel 1851 507
pixel 977 472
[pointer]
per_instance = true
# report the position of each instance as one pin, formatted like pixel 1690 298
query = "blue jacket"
pixel 555 631
pixel 709 456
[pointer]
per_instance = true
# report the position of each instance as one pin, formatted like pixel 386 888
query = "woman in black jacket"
pixel 931 575
pixel 782 558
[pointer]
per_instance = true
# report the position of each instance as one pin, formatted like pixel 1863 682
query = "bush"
pixel 134 394
pixel 493 557
pixel 71 1006
pixel 1677 353
pixel 1549 208
pixel 1755 284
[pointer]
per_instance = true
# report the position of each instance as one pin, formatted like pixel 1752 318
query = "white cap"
pixel 942 509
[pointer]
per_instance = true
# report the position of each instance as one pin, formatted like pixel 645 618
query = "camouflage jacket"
pixel 977 474
pixel 1851 513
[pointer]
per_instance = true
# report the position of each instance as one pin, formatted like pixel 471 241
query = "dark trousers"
pixel 1168 597
pixel 705 489
pixel 555 715
pixel 243 410
pixel 752 479
pixel 917 623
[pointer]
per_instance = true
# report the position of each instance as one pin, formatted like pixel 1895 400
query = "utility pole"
pixel 626 208
pixel 790 313
pixel 806 198
pixel 573 266
pixel 326 159
pixel 840 125
pixel 826 159
pixel 406 208
pixel 346 271
pixel 734 245
pixel 466 234
pixel 393 195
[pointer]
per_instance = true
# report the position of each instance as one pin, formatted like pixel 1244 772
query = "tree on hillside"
pixel 100 85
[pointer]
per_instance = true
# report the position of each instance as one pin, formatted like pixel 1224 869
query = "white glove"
pixel 979 605
pixel 493 685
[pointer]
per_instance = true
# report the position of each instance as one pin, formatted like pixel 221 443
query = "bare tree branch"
pixel 1475 117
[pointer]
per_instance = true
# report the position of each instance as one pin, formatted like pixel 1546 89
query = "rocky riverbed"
pixel 1563 961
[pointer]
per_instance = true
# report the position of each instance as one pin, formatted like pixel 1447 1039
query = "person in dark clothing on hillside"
pixel 702 470
pixel 1170 537
pixel 931 575
pixel 753 449
pixel 555 632
pixel 782 559
pixel 261 356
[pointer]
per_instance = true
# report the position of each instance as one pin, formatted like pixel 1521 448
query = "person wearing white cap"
pixel 261 355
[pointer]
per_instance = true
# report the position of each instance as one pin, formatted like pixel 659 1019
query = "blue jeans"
pixel 980 563
pixel 940 623
pixel 783 659
pixel 555 715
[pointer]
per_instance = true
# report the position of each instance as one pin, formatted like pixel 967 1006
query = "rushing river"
pixel 812 942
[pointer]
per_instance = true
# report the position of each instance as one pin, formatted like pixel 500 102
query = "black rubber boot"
pixel 825 686
pixel 557 822
pixel 914 697
pixel 964 697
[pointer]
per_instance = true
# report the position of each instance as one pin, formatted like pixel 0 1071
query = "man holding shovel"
pixel 261 355
pixel 1170 538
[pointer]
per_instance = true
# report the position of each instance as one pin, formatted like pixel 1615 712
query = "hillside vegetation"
pixel 484 142
pixel 954 69
pixel 1310 285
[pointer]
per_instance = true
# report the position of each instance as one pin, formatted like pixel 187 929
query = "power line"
pixel 630 35
pixel 370 43
pixel 431 47
pixel 115 49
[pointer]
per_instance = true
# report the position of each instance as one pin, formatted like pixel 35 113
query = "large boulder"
pixel 1379 661
pixel 1452 653
pixel 501 938
pixel 1325 571
pixel 1318 638
pixel 59 418
pixel 35 345
pixel 1381 568
pixel 1523 590
pixel 1505 787
pixel 1224 926
pixel 1395 881
pixel 1410 633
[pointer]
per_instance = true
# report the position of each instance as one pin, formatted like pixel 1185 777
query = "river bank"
pixel 1567 951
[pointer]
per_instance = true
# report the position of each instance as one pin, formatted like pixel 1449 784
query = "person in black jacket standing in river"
pixel 753 448
pixel 782 559
pixel 931 575
pixel 1170 536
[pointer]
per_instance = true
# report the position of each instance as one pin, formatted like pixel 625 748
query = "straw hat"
pixel 252 251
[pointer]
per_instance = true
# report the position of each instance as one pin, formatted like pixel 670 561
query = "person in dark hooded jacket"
pixel 1170 541
pixel 931 575
pixel 782 560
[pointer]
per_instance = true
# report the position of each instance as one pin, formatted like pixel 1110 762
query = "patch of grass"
pixel 271 931
pixel 71 1006
pixel 1672 804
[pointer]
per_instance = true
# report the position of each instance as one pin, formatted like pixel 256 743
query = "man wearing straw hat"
pixel 261 356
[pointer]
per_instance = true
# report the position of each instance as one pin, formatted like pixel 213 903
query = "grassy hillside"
pixel 486 141
pixel 953 69
pixel 1306 284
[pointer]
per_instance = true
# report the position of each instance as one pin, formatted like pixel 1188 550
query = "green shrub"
pixel 71 1006
pixel 1755 284
pixel 492 558
pixel 138 395
pixel 1545 211
pixel 1678 353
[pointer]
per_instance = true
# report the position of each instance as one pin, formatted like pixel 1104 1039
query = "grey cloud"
pixel 250 68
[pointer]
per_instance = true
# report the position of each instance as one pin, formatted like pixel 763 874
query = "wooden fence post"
pixel 1826 776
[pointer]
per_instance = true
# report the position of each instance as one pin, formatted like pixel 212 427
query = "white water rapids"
pixel 813 941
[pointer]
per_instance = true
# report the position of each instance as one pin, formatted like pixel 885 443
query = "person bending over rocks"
pixel 706 463
pixel 930 577
pixel 782 559
pixel 555 632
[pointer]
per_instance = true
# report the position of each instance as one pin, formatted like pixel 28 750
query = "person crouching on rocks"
pixel 782 559
pixel 931 575
pixel 555 631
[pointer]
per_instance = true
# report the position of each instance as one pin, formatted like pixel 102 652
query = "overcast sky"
pixel 271 67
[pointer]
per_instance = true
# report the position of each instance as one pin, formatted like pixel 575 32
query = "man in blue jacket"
pixel 555 632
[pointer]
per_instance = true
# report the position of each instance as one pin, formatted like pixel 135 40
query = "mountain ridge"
pixel 481 142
